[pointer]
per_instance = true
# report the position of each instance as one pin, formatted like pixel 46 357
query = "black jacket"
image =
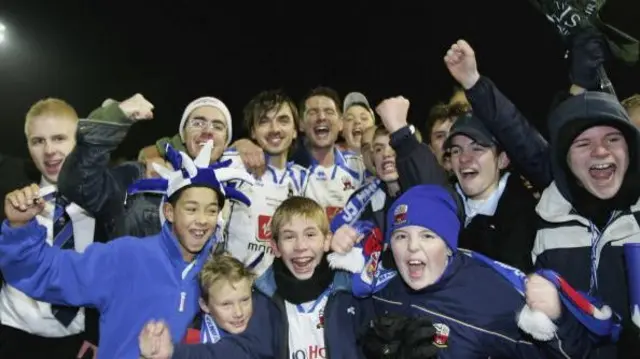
pixel 508 235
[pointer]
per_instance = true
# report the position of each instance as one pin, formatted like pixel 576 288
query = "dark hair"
pixel 266 101
pixel 175 197
pixel 442 112
pixel 322 91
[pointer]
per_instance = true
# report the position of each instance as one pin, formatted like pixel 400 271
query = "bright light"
pixel 2 30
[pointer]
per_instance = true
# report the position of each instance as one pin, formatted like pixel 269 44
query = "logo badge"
pixel 264 228
pixel 441 338
pixel 348 185
pixel 400 214
pixel 320 324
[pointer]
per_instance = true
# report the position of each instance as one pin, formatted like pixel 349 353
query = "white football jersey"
pixel 332 186
pixel 248 228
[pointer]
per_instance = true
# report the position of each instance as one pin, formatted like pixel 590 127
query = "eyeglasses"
pixel 200 124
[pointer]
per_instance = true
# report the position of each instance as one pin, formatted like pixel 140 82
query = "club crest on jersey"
pixel 400 214
pixel 347 183
pixel 320 324
pixel 441 338
pixel 264 228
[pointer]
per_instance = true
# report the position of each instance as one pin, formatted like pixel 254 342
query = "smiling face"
pixel 420 255
pixel 321 121
pixel 50 139
pixel 355 121
pixel 276 130
pixel 476 167
pixel 194 217
pixel 384 159
pixel 599 159
pixel 206 123
pixel 230 304
pixel 301 244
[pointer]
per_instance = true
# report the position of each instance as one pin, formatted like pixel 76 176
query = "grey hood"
pixel 579 113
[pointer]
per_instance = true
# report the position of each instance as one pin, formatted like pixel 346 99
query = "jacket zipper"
pixel 325 314
pixel 279 302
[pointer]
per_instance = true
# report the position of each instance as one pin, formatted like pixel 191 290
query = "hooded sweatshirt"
pixel 129 280
pixel 581 236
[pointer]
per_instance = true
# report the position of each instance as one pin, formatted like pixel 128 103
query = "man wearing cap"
pixel 87 180
pixel 500 219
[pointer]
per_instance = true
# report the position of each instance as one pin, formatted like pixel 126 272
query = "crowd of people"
pixel 335 230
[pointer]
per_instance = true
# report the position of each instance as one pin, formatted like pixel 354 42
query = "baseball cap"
pixel 354 98
pixel 473 128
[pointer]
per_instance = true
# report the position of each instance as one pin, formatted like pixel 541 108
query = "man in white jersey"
pixel 270 118
pixel 333 174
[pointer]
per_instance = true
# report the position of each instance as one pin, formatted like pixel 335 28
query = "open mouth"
pixel 416 268
pixel 388 167
pixel 322 131
pixel 469 174
pixel 52 166
pixel 198 234
pixel 238 323
pixel 356 133
pixel 602 171
pixel 302 264
pixel 203 141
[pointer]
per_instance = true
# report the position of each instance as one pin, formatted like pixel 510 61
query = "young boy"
pixel 310 311
pixel 128 280
pixel 226 299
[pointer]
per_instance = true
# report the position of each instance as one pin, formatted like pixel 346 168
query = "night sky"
pixel 175 51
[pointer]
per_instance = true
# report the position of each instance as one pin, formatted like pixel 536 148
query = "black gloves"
pixel 398 337
pixel 588 52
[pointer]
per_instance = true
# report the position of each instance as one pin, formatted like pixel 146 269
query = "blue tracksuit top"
pixel 474 308
pixel 129 280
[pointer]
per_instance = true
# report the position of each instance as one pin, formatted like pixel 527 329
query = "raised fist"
pixel 344 239
pixel 137 108
pixel 541 295
pixel 461 62
pixel 393 112
pixel 22 205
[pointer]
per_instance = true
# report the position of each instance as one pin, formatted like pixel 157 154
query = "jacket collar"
pixel 266 283
pixel 172 248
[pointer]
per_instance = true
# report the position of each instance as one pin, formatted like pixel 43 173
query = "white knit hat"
pixel 207 101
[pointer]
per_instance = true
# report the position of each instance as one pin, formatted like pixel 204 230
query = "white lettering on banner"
pixel 312 352
pixel 349 212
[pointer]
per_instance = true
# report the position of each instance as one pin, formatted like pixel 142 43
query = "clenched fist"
pixel 137 108
pixel 393 112
pixel 461 62
pixel 344 239
pixel 22 205
pixel 541 295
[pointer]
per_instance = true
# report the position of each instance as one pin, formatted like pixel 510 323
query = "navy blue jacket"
pixel 267 335
pixel 474 311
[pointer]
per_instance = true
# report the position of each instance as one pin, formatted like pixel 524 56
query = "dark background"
pixel 175 51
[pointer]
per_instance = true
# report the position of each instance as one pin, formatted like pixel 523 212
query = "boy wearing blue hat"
pixel 471 299
pixel 129 280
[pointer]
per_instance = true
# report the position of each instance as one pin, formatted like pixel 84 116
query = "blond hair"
pixel 222 267
pixel 298 207
pixel 50 107
pixel 631 103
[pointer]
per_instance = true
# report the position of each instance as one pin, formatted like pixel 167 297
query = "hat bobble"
pixel 430 206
